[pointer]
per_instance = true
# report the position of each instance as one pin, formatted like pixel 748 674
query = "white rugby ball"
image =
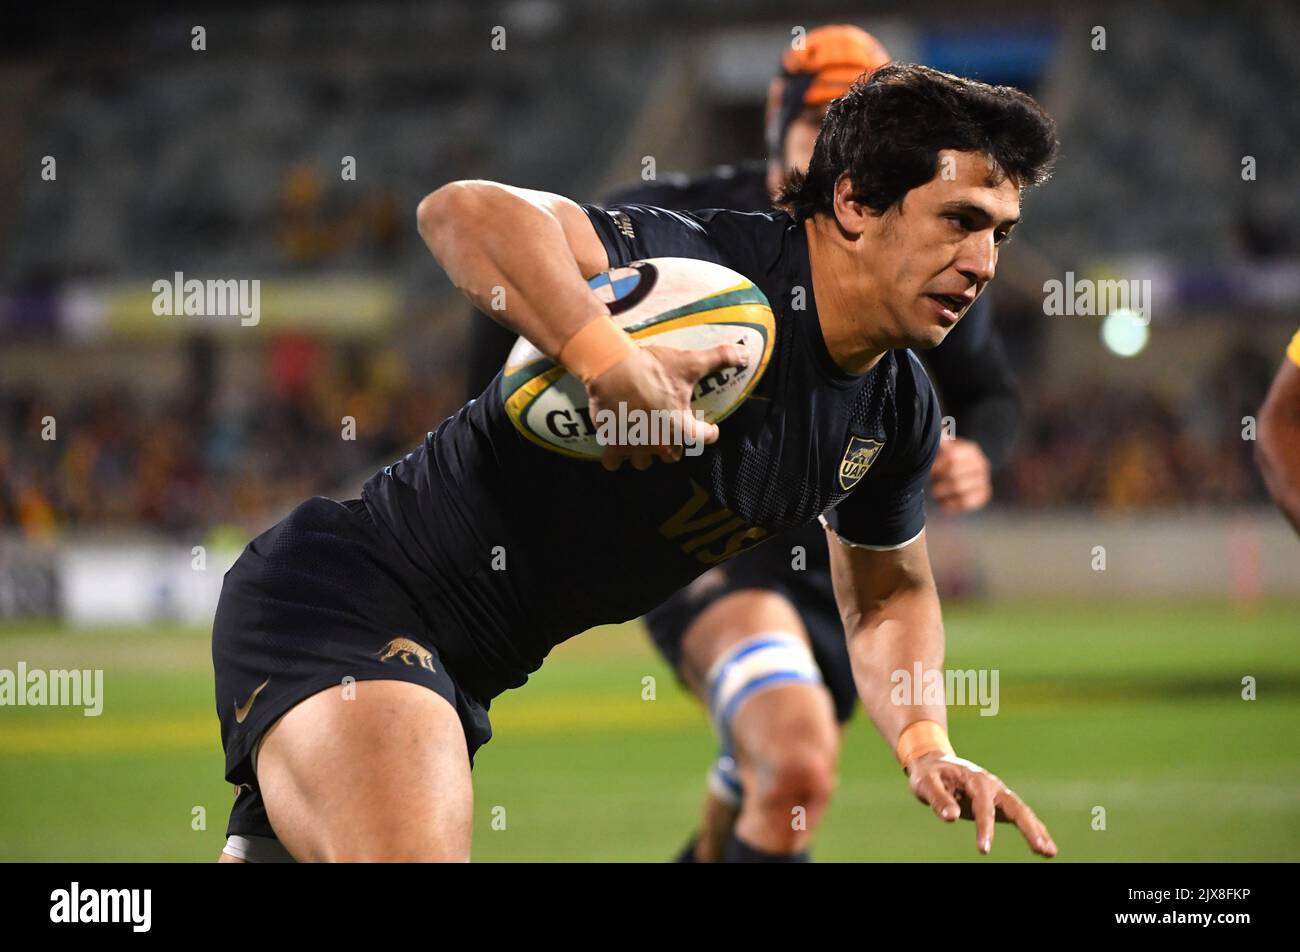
pixel 670 302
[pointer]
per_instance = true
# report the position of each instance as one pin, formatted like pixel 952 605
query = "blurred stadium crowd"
pixel 187 463
pixel 178 466
pixel 228 165
pixel 1118 448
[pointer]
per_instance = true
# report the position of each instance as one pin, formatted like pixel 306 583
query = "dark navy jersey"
pixel 519 548
pixel 741 187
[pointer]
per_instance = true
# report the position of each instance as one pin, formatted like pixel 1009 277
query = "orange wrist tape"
pixel 596 347
pixel 922 737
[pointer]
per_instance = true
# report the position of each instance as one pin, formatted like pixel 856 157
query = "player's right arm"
pixel 523 257
pixel 1278 446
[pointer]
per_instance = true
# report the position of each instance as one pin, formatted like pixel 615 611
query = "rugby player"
pixel 357 645
pixel 775 606
pixel 1278 446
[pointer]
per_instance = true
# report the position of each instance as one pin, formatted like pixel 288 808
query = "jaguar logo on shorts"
pixel 405 649
pixel 858 457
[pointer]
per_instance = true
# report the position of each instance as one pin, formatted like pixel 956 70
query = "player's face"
pixel 934 255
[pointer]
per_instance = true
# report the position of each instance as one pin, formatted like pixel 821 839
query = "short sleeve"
pixel 886 510
pixel 1293 350
pixel 636 232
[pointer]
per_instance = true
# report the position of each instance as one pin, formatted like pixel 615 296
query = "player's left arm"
pixel 890 609
pixel 1277 448
pixel 889 605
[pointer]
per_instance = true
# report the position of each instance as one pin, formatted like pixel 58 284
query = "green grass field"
pixel 1133 707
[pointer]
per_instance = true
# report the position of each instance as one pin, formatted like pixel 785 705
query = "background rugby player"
pixel 776 605
pixel 1278 446
pixel 357 646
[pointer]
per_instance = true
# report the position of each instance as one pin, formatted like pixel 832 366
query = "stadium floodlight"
pixel 1125 332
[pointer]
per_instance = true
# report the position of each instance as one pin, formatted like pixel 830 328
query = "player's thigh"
pixel 736 617
pixel 381 775
pixel 795 713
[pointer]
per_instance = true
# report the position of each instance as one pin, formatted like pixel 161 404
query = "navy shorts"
pixel 315 600
pixel 769 567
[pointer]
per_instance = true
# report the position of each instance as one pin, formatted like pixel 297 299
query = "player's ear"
pixel 849 212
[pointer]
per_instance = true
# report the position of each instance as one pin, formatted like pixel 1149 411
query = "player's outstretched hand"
pixel 954 787
pixel 656 379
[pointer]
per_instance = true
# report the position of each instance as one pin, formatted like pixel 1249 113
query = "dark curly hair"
pixel 887 131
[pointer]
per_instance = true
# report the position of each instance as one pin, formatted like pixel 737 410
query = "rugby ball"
pixel 668 302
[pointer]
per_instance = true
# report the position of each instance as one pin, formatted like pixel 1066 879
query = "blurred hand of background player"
pixel 961 479
pixel 654 379
pixel 954 787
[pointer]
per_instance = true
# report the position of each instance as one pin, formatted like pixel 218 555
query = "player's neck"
pixel 840 288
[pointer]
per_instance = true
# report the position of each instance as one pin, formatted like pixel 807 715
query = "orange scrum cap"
pixel 821 69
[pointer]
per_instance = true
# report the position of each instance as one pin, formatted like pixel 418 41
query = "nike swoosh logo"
pixel 241 711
